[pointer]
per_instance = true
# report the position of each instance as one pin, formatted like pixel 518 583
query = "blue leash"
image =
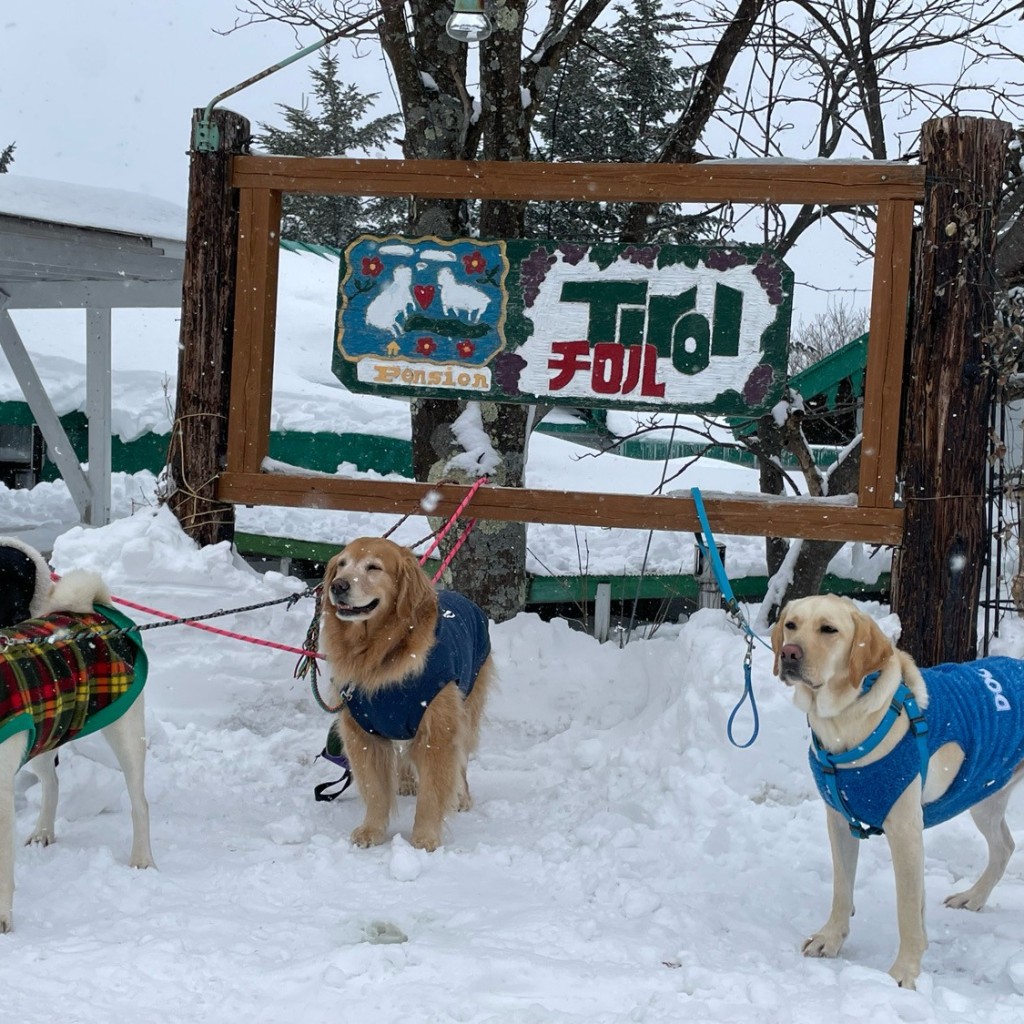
pixel 710 551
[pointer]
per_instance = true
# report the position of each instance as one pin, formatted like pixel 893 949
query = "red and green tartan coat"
pixel 70 679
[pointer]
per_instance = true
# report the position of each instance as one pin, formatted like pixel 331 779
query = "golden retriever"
pixel 413 669
pixel 896 749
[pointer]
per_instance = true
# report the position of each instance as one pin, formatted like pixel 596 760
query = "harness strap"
pixel 902 700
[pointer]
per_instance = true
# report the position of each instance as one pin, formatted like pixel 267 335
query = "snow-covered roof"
pixel 106 209
pixel 67 246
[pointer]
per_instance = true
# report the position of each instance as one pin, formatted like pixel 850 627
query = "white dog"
pixel 64 673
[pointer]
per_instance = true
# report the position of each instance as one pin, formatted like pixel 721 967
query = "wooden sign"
pixel 675 328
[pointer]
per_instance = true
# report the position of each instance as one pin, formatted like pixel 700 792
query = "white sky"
pixel 103 93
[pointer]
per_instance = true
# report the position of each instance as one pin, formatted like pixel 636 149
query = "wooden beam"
pixel 738 181
pixel 31 257
pixel 753 516
pixel 101 294
pixel 252 368
pixel 199 432
pixel 883 375
pixel 98 409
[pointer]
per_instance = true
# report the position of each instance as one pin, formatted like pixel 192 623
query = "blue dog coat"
pixel 979 706
pixel 461 646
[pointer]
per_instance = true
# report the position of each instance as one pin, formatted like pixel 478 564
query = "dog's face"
pixel 824 646
pixel 374 579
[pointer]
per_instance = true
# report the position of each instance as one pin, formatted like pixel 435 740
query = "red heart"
pixel 424 294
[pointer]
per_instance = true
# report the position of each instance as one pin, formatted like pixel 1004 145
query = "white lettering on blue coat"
pixel 1002 704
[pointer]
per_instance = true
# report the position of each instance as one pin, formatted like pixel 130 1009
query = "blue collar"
pixel 902 700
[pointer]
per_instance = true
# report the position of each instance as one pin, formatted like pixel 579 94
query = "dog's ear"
pixel 25 582
pixel 329 570
pixel 414 596
pixel 870 648
pixel 777 637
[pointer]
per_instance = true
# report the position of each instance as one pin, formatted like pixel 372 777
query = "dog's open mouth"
pixel 351 611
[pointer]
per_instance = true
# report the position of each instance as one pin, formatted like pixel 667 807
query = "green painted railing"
pixel 320 451
pixel 573 589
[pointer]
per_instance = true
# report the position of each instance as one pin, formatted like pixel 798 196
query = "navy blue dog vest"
pixel 461 646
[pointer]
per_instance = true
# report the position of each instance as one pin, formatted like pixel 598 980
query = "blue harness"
pixel 978 705
pixel 461 646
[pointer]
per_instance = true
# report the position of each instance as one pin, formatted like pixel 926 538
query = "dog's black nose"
pixel 339 588
pixel 791 654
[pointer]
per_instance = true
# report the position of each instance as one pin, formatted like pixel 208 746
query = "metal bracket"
pixel 206 137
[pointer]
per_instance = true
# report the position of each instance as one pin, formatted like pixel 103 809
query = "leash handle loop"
pixel 748 694
pixel 709 548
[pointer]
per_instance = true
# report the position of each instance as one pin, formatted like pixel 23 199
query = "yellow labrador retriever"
pixel 896 749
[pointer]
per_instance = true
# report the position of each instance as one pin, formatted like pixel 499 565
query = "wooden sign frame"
pixel 870 515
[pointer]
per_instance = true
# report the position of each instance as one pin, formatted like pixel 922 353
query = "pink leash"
pixel 219 632
pixel 443 532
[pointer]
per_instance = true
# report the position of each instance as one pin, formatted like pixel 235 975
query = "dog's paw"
pixel 366 836
pixel 41 837
pixel 142 862
pixel 905 973
pixel 426 839
pixel 825 943
pixel 968 900
pixel 6 922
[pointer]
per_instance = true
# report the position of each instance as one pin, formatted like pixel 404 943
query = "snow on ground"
pixel 623 861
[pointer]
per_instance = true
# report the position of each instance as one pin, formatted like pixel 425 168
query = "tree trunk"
pixel 207 321
pixel 769 446
pixel 937 571
pixel 490 567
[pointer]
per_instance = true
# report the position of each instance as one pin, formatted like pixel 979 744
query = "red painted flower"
pixel 465 348
pixel 426 346
pixel 372 266
pixel 474 262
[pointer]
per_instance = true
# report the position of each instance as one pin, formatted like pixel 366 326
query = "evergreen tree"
pixel 6 158
pixel 614 100
pixel 333 125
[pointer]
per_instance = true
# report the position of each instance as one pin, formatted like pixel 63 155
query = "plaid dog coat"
pixel 70 679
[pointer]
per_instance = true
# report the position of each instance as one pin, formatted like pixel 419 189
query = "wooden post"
pixel 199 434
pixel 937 572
